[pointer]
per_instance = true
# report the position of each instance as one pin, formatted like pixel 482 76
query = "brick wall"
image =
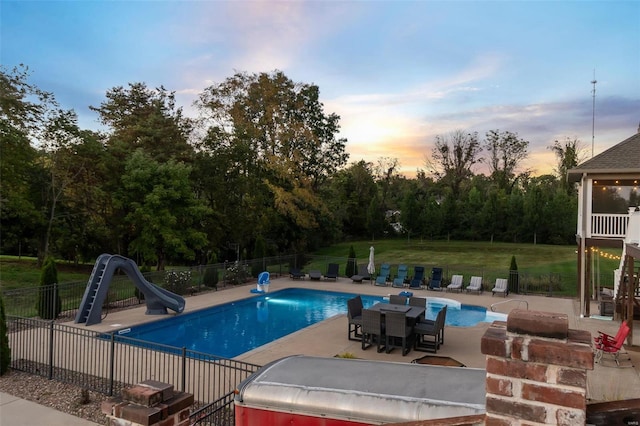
pixel 536 370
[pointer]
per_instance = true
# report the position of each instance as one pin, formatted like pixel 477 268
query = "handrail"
pixel 510 300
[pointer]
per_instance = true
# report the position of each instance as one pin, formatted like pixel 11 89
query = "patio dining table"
pixel 412 312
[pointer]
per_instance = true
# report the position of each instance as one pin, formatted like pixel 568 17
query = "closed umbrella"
pixel 371 267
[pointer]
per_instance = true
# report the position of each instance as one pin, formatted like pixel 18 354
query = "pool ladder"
pixel 520 301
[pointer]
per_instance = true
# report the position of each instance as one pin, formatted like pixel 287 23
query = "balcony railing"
pixel 607 225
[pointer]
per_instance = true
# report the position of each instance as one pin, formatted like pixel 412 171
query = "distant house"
pixel 608 194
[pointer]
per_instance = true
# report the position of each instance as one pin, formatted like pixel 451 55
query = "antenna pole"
pixel 593 117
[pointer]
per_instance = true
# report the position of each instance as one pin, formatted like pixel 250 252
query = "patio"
pixel 329 338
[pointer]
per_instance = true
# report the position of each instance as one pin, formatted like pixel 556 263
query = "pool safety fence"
pixel 107 363
pixel 218 413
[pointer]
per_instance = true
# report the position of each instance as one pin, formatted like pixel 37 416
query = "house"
pixel 608 196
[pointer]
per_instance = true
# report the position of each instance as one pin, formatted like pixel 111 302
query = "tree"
pixel 139 117
pixel 453 157
pixel 506 152
pixel 569 154
pixel 286 147
pixel 5 350
pixel 376 223
pixel 164 216
pixel 49 301
pixel 22 114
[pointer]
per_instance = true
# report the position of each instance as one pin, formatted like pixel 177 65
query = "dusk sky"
pixel 398 73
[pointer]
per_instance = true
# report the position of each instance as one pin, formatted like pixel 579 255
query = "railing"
pixel 218 413
pixel 608 225
pixel 105 363
pixel 520 302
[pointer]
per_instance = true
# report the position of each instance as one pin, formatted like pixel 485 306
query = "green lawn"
pixel 491 260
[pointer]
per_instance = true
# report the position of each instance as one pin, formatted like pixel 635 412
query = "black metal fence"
pixel 106 362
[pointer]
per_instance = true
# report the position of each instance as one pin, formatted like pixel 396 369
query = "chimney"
pixel 536 370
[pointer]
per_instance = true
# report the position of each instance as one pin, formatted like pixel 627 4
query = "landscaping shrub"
pixel 513 276
pixel 210 278
pixel 49 302
pixel 352 267
pixel 177 282
pixel 5 350
pixel 259 252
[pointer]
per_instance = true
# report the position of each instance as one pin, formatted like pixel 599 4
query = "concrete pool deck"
pixel 329 338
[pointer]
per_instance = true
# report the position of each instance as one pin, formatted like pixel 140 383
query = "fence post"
pixel 50 376
pixel 183 383
pixel 111 363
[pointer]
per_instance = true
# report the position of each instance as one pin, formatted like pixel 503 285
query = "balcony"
pixel 605 225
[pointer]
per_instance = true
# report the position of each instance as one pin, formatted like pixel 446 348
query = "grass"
pixel 542 265
pixel 490 260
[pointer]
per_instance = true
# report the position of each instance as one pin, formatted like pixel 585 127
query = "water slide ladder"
pixel 91 306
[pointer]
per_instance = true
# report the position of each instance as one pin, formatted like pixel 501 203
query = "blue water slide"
pixel 157 298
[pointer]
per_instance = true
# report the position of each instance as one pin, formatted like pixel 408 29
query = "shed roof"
pixel 623 157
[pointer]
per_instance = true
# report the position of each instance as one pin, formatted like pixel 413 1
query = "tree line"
pixel 260 171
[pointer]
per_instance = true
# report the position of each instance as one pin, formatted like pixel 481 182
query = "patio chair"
pixel 315 275
pixel 420 302
pixel 418 277
pixel 372 329
pixel 397 333
pixel 383 276
pixel 475 284
pixel 354 313
pixel 400 278
pixel 333 269
pixel 397 300
pixel 296 274
pixel 501 287
pixel 429 335
pixel 362 274
pixel 436 279
pixel 456 283
pixel 607 338
pixel 612 348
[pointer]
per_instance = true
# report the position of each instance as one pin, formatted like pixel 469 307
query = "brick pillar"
pixel 149 403
pixel 536 370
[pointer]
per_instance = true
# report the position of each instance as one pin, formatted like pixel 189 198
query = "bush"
pixel 5 350
pixel 210 278
pixel 49 301
pixel 259 252
pixel 352 267
pixel 237 273
pixel 177 281
pixel 513 276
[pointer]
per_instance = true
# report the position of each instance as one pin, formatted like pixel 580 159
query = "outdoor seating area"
pixel 399 324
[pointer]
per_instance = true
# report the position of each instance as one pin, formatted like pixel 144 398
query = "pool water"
pixel 237 327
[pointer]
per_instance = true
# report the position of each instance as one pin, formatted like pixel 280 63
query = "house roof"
pixel 623 157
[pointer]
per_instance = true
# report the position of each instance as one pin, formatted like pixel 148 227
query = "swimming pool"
pixel 234 328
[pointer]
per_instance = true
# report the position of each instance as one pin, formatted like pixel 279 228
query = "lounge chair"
pixel 501 287
pixel 429 335
pixel 315 275
pixel 612 348
pixel 475 284
pixel 332 272
pixel 397 300
pixel 362 274
pixel 436 279
pixel 372 329
pixel 456 283
pixel 383 276
pixel 400 278
pixel 354 312
pixel 418 277
pixel 296 274
pixel 397 332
